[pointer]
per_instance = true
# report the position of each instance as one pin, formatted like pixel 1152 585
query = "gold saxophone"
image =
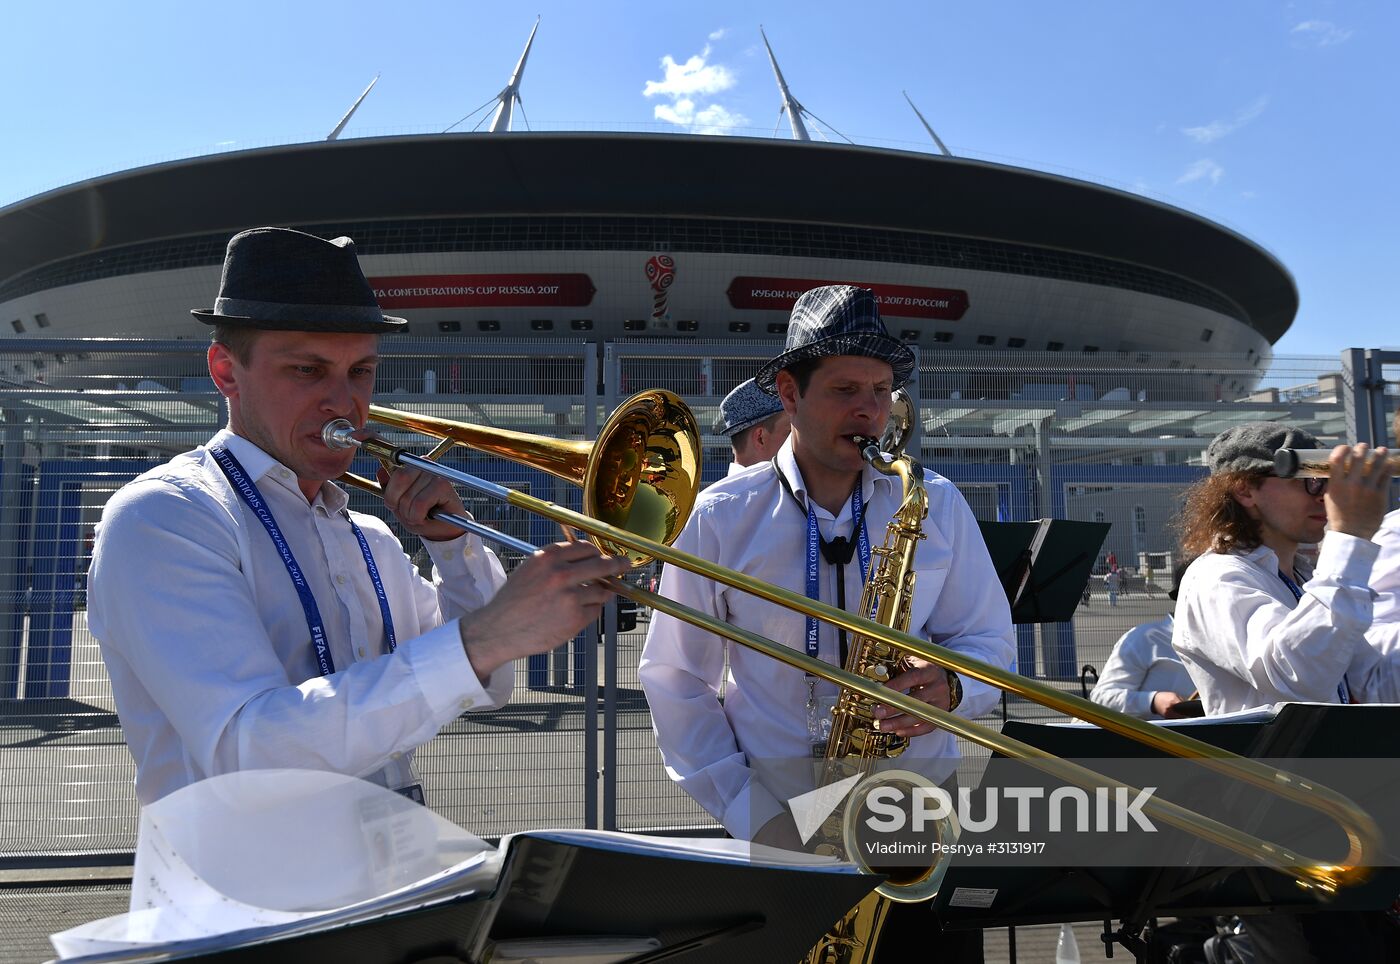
pixel 856 743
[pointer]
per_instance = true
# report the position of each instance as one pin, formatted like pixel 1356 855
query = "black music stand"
pixel 557 884
pixel 1012 896
pixel 1043 565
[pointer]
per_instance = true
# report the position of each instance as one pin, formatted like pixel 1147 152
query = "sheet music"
pixel 272 850
pixel 267 854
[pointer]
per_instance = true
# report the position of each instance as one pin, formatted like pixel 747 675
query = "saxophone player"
pixel 816 500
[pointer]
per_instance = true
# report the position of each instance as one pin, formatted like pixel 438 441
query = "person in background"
pixel 755 424
pixel 1384 634
pixel 1112 582
pixel 1143 676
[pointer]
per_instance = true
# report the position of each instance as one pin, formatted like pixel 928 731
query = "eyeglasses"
pixel 1315 487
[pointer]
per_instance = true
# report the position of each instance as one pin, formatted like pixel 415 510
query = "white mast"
pixel 791 107
pixel 936 139
pixel 351 112
pixel 510 97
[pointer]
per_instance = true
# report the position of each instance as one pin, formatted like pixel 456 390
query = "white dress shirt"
pixel 1384 634
pixel 1247 642
pixel 735 468
pixel 206 640
pixel 748 522
pixel 1142 665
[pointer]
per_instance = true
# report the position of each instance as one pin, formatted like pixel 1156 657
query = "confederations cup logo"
pixel 661 272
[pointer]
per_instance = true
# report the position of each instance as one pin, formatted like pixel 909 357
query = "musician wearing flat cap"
pixel 755 424
pixel 1255 624
pixel 807 521
pixel 247 618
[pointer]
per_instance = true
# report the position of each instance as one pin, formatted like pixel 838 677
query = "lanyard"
pixel 1343 690
pixel 238 477
pixel 814 544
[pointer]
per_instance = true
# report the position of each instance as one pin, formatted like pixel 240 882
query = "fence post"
pixel 11 551
pixel 1355 396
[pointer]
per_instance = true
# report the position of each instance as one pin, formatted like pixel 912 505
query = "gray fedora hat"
pixel 745 407
pixel 283 280
pixel 837 320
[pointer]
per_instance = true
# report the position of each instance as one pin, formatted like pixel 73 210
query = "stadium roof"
pixel 650 175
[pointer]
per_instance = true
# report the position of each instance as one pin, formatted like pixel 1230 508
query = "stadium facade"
pixel 611 237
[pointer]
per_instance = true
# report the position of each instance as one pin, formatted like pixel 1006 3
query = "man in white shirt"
pixel 1143 676
pixel 755 424
pixel 248 619
pixel 1384 634
pixel 835 381
pixel 1254 623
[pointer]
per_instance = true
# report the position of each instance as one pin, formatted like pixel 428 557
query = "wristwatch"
pixel 954 690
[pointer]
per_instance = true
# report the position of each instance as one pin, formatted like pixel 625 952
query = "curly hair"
pixel 1211 520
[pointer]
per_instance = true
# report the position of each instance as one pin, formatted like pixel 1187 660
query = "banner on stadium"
pixel 482 290
pixel 901 301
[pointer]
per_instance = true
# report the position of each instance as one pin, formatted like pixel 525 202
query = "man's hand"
pixel 1358 490
pixel 1163 702
pixel 924 681
pixel 411 493
pixel 543 604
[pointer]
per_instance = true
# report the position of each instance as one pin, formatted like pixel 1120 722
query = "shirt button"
pixel 468 704
pixel 340 578
pixel 284 473
pixel 362 652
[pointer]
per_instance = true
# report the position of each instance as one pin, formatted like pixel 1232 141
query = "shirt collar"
pixel 787 465
pixel 259 466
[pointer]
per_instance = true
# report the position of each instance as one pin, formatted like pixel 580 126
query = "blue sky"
pixel 1274 118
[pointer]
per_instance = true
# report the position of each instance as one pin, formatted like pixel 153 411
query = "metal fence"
pixel 1023 435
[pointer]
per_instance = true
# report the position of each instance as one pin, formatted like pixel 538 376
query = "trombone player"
pixel 834 380
pixel 247 618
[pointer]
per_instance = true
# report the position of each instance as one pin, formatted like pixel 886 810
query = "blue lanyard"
pixel 1343 690
pixel 814 555
pixel 238 477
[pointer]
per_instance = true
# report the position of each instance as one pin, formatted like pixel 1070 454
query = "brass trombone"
pixel 653 453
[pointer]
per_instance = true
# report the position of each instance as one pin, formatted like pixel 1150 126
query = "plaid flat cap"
pixel 745 407
pixel 837 320
pixel 1251 447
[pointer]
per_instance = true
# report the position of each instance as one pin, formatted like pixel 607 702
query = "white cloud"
pixel 1324 33
pixel 718 34
pixel 1204 169
pixel 1217 129
pixel 688 87
pixel 692 77
pixel 718 119
pixel 682 112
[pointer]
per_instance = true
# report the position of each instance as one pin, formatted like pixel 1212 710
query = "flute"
pixel 1312 463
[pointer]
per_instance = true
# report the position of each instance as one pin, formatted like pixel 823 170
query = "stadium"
pixel 616 237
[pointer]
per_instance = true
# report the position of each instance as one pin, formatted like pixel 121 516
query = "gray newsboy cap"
pixel 1251 447
pixel 745 407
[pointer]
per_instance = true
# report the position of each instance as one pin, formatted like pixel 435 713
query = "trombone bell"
pixel 642 474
